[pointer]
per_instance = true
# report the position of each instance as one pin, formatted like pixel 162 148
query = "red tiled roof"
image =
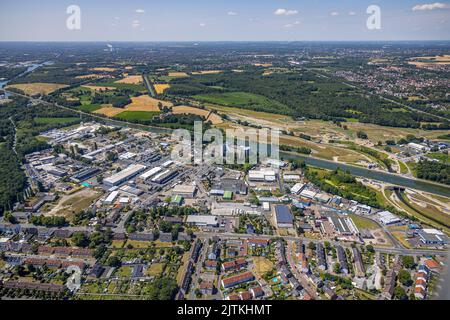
pixel 432 264
pixel 246 295
pixel 243 277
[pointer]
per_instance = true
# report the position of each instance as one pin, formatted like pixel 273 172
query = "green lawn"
pixel 363 223
pixel 89 107
pixel 442 157
pixel 136 115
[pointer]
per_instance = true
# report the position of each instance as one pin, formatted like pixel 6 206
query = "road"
pixel 306 284
pixel 400 251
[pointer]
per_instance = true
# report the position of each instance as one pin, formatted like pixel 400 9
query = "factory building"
pixel 124 175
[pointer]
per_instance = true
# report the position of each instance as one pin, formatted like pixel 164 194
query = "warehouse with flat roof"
pixel 202 221
pixel 185 191
pixel 124 175
pixel 284 217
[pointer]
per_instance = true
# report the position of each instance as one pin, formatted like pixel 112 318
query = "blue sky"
pixel 231 20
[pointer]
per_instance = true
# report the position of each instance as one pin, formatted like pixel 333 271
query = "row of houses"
pixel 237 279
pixel 53 263
pixel 45 287
pixel 252 293
pixel 66 251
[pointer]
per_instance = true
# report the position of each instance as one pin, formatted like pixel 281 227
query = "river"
pixel 30 68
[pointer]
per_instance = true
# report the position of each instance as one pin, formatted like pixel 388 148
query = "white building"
pixel 111 198
pixel 387 218
pixel 202 221
pixel 418 147
pixel 124 175
pixel 297 188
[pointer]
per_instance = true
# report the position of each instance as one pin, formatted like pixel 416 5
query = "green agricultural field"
pixel 136 115
pixel 89 107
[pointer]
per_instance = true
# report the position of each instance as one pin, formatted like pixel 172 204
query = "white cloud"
pixel 202 24
pixel 352 13
pixel 136 24
pixel 232 13
pixel 431 6
pixel 285 12
pixel 334 13
pixel 141 11
pixel 290 25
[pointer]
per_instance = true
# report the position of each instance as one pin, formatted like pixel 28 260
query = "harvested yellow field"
pixel 266 65
pixel 146 103
pixel 178 74
pixel 99 88
pixel 160 88
pixel 109 111
pixel 429 61
pixel 214 118
pixel 238 71
pixel 131 80
pixel 90 76
pixel 37 88
pixel 103 69
pixel 208 72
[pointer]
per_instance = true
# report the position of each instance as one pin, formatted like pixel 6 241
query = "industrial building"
pixel 124 175
pixel 387 218
pixel 165 177
pixel 150 173
pixel 111 198
pixel 202 221
pixel 284 217
pixel 85 174
pixel 297 188
pixel 185 191
pixel 233 185
pixel 262 176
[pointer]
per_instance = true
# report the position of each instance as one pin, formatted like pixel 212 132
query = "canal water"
pixel 372 174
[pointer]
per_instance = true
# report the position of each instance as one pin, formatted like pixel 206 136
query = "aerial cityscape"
pixel 224 170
